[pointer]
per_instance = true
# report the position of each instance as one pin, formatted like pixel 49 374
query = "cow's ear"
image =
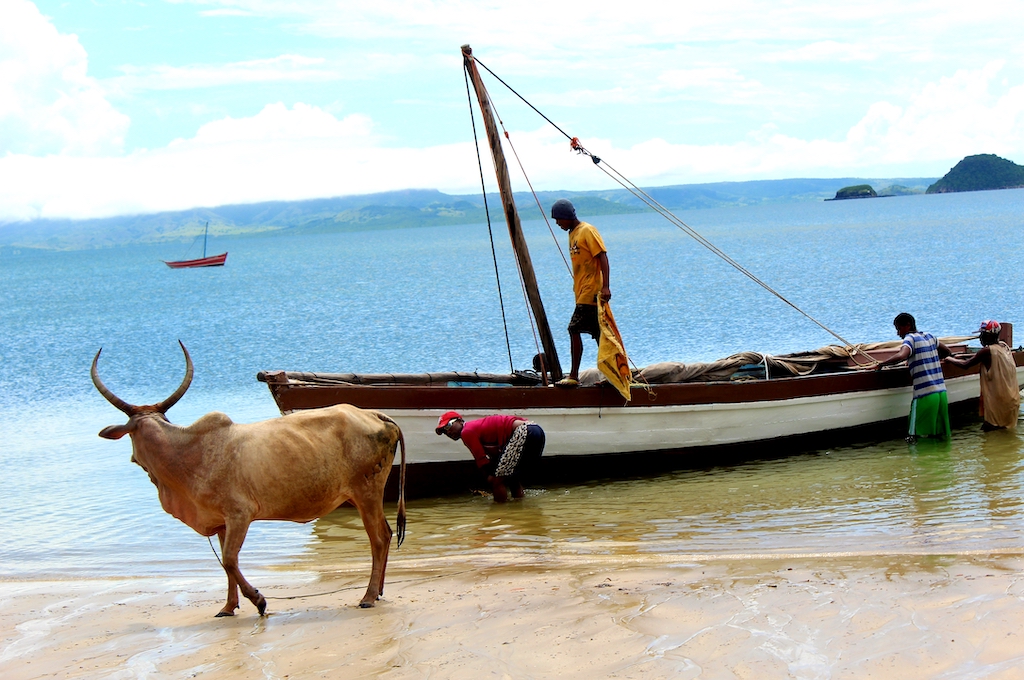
pixel 114 431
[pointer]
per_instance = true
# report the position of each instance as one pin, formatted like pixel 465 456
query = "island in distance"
pixel 867 191
pixel 974 173
pixel 980 173
pixel 856 191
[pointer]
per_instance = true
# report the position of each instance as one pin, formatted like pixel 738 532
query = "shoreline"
pixel 844 616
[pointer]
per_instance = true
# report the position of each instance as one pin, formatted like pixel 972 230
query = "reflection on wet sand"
pixel 599 616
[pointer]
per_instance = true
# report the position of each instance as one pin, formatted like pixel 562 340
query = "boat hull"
pixel 673 418
pixel 211 261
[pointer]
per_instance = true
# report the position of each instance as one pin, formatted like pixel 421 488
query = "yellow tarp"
pixel 611 353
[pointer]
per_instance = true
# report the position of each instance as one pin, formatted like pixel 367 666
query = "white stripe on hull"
pixel 590 431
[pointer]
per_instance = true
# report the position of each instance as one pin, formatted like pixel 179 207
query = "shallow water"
pixel 877 500
pixel 417 300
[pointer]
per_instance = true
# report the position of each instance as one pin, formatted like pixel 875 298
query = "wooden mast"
pixel 515 229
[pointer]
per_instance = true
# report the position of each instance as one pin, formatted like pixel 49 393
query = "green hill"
pixel 900 190
pixel 979 173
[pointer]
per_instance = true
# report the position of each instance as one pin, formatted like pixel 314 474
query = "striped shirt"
pixel 924 363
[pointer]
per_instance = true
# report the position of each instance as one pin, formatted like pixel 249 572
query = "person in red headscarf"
pixel 503 447
pixel 1000 392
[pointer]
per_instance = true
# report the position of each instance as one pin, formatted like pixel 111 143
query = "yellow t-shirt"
pixel 585 245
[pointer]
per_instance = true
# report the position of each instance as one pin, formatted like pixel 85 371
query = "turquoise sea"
pixel 73 506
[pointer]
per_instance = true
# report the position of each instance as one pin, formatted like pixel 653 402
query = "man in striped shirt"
pixel 929 411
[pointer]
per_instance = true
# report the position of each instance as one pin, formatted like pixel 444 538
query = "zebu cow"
pixel 217 476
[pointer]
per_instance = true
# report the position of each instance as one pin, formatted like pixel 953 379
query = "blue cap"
pixel 562 209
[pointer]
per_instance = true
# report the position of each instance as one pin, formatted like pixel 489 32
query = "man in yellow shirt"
pixel 589 281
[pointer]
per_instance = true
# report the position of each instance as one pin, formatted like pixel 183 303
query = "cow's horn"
pixel 119 404
pixel 170 401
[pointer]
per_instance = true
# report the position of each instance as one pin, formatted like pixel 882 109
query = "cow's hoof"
pixel 261 605
pixel 366 605
pixel 224 613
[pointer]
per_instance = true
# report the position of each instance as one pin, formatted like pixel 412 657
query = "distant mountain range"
pixel 406 209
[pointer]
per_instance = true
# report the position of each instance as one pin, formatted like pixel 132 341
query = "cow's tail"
pixel 401 480
pixel 401 492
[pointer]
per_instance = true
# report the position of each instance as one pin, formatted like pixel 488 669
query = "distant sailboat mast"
pixel 204 261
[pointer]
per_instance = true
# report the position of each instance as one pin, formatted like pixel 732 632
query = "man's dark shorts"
pixel 584 320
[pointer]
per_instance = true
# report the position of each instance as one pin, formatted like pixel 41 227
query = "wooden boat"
pixel 211 261
pixel 204 261
pixel 594 431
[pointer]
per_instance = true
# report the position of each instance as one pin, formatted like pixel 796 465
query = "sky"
pixel 114 107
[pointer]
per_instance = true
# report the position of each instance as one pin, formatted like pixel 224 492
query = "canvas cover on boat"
pixel 801 363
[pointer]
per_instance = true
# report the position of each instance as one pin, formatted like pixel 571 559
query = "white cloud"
pixel 604 27
pixel 278 154
pixel 304 152
pixel 287 67
pixel 225 13
pixel 826 50
pixel 716 83
pixel 943 122
pixel 277 123
pixel 48 103
pixel 954 117
pixel 63 139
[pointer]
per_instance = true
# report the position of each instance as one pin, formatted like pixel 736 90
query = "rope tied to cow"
pixel 357 587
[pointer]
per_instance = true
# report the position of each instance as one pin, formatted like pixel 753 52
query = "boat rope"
pixel 649 200
pixel 525 101
pixel 533 325
pixel 522 280
pixel 536 199
pixel 519 270
pixel 490 232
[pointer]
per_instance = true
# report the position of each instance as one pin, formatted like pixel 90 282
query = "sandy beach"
pixel 800 617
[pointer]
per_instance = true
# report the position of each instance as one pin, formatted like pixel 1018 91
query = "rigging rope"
pixel 519 269
pixel 487 212
pixel 624 182
pixel 536 199
pixel 692 233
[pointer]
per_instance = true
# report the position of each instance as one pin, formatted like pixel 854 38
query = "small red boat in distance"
pixel 204 261
pixel 211 261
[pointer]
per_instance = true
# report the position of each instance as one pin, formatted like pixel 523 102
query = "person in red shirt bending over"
pixel 503 446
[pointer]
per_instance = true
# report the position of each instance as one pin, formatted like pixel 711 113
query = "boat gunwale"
pixel 293 395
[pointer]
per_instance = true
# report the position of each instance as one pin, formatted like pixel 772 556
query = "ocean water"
pixel 73 506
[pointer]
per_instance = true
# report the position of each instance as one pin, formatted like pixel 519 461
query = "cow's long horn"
pixel 170 401
pixel 120 404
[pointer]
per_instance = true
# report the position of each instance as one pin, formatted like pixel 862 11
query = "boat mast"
pixel 205 234
pixel 515 229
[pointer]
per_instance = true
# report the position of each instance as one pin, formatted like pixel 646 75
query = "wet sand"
pixel 646 617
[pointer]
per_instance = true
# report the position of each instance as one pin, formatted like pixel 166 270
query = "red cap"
pixel 990 327
pixel 443 421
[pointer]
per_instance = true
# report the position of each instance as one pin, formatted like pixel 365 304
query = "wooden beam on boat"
pixel 515 229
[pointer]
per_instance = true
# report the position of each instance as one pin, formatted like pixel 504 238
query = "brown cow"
pixel 217 476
